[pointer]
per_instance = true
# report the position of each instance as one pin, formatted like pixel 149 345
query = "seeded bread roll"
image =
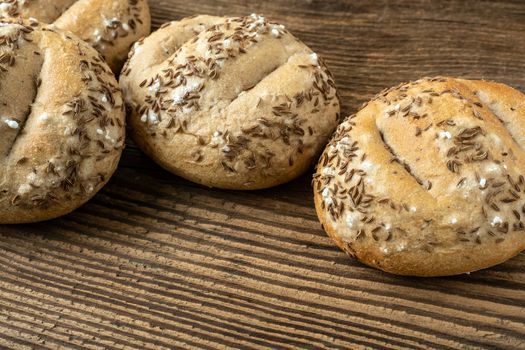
pixel 42 10
pixel 234 103
pixel 61 122
pixel 427 179
pixel 111 26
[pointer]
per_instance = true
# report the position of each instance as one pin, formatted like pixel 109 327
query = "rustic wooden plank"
pixel 155 262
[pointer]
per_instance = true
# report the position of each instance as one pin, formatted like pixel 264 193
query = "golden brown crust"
pixel 61 122
pixel 427 178
pixel 235 103
pixel 111 26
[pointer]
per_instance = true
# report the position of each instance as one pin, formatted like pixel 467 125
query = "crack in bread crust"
pixel 254 85
pixel 25 119
pixel 397 158
pixel 501 117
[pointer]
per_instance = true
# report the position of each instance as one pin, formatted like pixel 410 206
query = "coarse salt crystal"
pixel 315 58
pixel 496 221
pixel 445 135
pixel 13 124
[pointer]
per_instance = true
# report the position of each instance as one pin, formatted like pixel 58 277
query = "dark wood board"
pixel 155 262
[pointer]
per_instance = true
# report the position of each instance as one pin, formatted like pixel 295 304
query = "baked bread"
pixel 234 103
pixel 428 178
pixel 110 26
pixel 61 122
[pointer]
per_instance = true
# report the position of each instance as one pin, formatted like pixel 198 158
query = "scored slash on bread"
pixel 110 26
pixel 236 103
pixel 428 178
pixel 61 122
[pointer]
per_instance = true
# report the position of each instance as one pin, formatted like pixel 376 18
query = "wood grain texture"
pixel 155 262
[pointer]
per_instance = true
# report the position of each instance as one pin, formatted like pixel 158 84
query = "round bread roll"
pixel 233 103
pixel 428 178
pixel 110 26
pixel 61 122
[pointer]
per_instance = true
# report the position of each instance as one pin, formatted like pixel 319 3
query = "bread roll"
pixel 111 26
pixel 61 122
pixel 428 178
pixel 235 103
pixel 43 10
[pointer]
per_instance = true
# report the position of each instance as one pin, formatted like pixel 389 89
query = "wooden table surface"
pixel 155 262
